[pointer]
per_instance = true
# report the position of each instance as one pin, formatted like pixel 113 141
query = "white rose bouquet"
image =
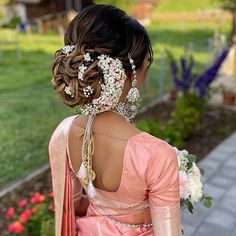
pixel 191 187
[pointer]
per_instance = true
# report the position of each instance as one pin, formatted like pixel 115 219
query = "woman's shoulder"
pixel 63 126
pixel 145 138
pixel 156 149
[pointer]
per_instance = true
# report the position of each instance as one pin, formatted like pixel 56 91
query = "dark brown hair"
pixel 98 29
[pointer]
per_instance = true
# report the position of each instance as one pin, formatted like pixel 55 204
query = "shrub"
pixel 165 132
pixel 32 217
pixel 186 116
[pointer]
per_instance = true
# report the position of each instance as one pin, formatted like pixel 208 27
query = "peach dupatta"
pixel 61 180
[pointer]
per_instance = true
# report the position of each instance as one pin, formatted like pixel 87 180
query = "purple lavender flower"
pixel 183 79
pixel 204 80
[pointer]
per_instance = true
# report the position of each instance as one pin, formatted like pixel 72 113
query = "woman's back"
pixel 127 167
pixel 111 135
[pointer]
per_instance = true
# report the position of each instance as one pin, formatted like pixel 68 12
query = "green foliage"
pixel 207 201
pixel 34 217
pixel 15 21
pixel 184 121
pixel 229 5
pixel 185 5
pixel 172 136
pixel 189 206
pixel 124 4
pixel 202 171
pixel 187 113
pixel 29 109
pixel 165 132
pixel 39 220
pixel 48 227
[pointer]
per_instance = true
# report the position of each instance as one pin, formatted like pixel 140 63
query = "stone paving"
pixel 220 182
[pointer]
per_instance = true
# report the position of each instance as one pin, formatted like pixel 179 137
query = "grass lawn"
pixel 29 108
pixel 186 5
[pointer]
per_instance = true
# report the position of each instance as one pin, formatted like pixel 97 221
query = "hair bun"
pixel 66 69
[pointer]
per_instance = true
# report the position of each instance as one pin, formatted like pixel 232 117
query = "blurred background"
pixel 32 30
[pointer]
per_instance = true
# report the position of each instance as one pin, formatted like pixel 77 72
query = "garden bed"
pixel 216 124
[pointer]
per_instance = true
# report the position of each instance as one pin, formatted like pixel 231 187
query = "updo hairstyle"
pixel 98 29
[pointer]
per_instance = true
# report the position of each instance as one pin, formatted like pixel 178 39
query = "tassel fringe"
pixel 82 171
pixel 91 190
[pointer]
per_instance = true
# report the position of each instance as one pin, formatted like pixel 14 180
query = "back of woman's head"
pixel 98 29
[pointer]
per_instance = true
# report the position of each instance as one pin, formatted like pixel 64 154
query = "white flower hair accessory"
pixel 81 71
pixel 68 90
pixel 68 49
pixel 88 91
pixel 87 57
pixel 83 68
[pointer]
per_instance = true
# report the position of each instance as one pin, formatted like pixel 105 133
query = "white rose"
pixel 195 187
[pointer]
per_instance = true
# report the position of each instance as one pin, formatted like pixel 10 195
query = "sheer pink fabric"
pixel 149 187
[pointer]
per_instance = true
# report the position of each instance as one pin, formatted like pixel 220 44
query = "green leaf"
pixel 190 206
pixel 202 171
pixel 207 201
pixel 192 158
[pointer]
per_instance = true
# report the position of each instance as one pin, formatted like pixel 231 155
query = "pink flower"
pixel 37 198
pixel 16 227
pixel 184 185
pixel 51 195
pixel 22 203
pixel 111 80
pixel 10 213
pixel 112 68
pixel 51 208
pixel 11 228
pixel 24 217
pixel 94 101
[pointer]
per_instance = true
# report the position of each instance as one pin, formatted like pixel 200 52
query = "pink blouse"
pixel 149 186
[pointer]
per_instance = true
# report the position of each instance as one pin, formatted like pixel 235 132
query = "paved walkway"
pixel 219 182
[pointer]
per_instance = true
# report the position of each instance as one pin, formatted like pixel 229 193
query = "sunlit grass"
pixel 29 108
pixel 186 5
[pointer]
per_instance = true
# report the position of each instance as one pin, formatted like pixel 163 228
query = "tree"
pixel 230 5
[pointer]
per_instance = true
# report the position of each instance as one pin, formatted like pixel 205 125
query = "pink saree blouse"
pixel 149 187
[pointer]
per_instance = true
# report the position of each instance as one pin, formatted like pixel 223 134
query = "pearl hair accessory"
pixel 68 91
pixel 87 57
pixel 88 91
pixel 81 71
pixel 68 49
pixel 83 68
